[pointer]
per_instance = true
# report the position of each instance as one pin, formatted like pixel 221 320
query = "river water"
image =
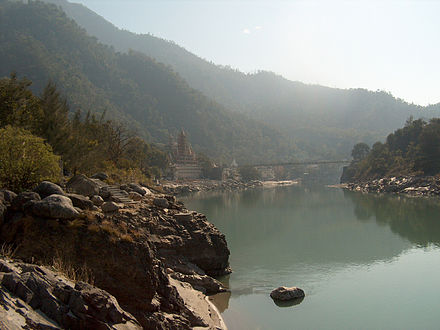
pixel 364 261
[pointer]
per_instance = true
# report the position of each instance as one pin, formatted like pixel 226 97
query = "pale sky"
pixel 387 45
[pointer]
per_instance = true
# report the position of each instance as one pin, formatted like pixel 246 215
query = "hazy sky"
pixel 387 45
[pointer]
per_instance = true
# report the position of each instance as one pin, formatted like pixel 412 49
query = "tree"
pixel 25 160
pixel 360 151
pixel 249 173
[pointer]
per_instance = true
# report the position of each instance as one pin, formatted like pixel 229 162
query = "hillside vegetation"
pixel 411 150
pixel 39 42
pixel 326 120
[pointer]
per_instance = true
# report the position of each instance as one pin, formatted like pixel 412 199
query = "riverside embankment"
pixel 408 185
pixel 143 251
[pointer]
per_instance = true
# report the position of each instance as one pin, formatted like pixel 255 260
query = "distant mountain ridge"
pixel 330 120
pixel 39 41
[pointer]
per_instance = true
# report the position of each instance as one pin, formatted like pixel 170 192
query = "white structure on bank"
pixel 184 161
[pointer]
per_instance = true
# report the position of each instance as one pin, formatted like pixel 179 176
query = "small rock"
pixel 160 202
pixel 100 176
pixel 8 196
pixel 109 207
pixel 47 188
pixel 137 188
pixel 183 217
pixel 97 200
pixel 285 293
pixel 135 196
pixel 81 201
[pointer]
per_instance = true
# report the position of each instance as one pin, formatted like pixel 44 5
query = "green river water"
pixel 365 261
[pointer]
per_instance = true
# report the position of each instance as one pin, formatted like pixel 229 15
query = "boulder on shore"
pixel 47 188
pixel 53 206
pixel 109 207
pixel 81 202
pixel 80 184
pixel 284 293
pixel 18 203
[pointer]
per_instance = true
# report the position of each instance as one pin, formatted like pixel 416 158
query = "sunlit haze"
pixel 386 45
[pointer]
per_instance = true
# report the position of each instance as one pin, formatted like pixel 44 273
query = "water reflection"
pixel 293 229
pixel 416 219
pixel 339 246
pixel 289 303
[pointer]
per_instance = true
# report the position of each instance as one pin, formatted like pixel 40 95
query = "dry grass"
pixel 63 266
pixel 116 232
pixel 7 251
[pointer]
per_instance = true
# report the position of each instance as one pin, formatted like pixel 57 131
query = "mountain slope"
pixel 329 119
pixel 38 40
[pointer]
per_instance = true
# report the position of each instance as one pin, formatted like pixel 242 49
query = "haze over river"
pixel 364 261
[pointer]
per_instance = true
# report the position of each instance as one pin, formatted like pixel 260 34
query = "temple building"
pixel 184 161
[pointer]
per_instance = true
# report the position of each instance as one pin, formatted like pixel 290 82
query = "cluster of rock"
pixel 410 185
pixel 29 291
pixel 136 243
pixel 208 185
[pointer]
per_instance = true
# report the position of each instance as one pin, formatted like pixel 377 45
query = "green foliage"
pixel 249 173
pixel 85 143
pixel 413 149
pixel 360 151
pixel 25 160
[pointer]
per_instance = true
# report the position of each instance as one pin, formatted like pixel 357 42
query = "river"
pixel 364 261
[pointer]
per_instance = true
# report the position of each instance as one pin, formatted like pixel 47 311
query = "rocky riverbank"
pixel 177 188
pixel 130 257
pixel 409 185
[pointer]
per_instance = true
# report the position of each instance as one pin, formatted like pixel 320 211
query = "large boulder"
pixel 19 202
pixel 80 184
pixel 81 201
pixel 54 206
pixel 284 293
pixel 47 188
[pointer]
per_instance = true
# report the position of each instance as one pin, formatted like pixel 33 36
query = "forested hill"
pixel 329 119
pixel 39 42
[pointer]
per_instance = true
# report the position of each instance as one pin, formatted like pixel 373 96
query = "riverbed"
pixel 365 261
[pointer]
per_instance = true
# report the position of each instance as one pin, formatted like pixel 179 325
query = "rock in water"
pixel 284 293
pixel 82 185
pixel 54 206
pixel 47 188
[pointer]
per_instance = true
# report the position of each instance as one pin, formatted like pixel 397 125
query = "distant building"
pixel 184 161
pixel 231 172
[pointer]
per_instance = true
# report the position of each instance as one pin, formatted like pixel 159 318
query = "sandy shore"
pixel 200 305
pixel 270 184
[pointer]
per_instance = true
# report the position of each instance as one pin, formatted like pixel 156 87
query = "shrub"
pixel 25 160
